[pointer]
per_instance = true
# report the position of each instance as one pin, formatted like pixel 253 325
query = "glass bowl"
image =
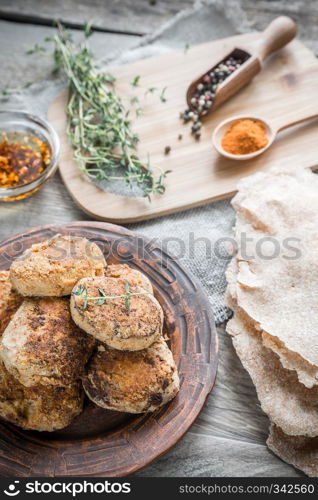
pixel 22 122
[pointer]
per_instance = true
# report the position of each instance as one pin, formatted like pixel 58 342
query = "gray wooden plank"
pixel 139 16
pixel 18 68
pixel 305 14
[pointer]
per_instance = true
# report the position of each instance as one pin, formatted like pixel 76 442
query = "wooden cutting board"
pixel 287 87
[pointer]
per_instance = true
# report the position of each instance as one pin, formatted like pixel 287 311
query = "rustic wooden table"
pixel 229 437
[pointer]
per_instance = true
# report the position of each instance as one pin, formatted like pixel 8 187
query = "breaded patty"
pixel 53 267
pixel 118 324
pixel 43 345
pixel 40 408
pixel 134 276
pixel 10 301
pixel 133 382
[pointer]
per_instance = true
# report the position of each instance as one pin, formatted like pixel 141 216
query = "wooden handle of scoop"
pixel 277 34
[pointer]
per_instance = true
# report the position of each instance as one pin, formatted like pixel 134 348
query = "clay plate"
pixel 105 443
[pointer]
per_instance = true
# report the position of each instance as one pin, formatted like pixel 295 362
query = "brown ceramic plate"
pixel 104 443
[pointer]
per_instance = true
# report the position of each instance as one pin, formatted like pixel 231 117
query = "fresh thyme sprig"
pixel 37 49
pixel 98 125
pixel 162 95
pixel 102 298
pixel 9 91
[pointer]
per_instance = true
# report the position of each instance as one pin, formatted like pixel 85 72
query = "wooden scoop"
pixel 278 34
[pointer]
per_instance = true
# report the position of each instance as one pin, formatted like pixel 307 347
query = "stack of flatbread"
pixel 273 291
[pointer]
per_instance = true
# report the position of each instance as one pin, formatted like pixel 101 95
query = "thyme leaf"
pixel 88 29
pixel 134 100
pixel 162 95
pixel 135 81
pixel 151 90
pixel 103 298
pixel 37 49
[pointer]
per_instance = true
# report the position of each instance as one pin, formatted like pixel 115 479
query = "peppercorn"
pixel 167 150
pixel 204 94
pixel 196 126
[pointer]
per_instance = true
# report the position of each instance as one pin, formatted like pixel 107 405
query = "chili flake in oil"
pixel 22 159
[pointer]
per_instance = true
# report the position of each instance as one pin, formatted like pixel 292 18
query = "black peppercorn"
pixel 204 94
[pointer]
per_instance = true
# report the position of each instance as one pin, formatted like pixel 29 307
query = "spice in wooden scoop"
pixel 203 97
pixel 23 158
pixel 245 136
